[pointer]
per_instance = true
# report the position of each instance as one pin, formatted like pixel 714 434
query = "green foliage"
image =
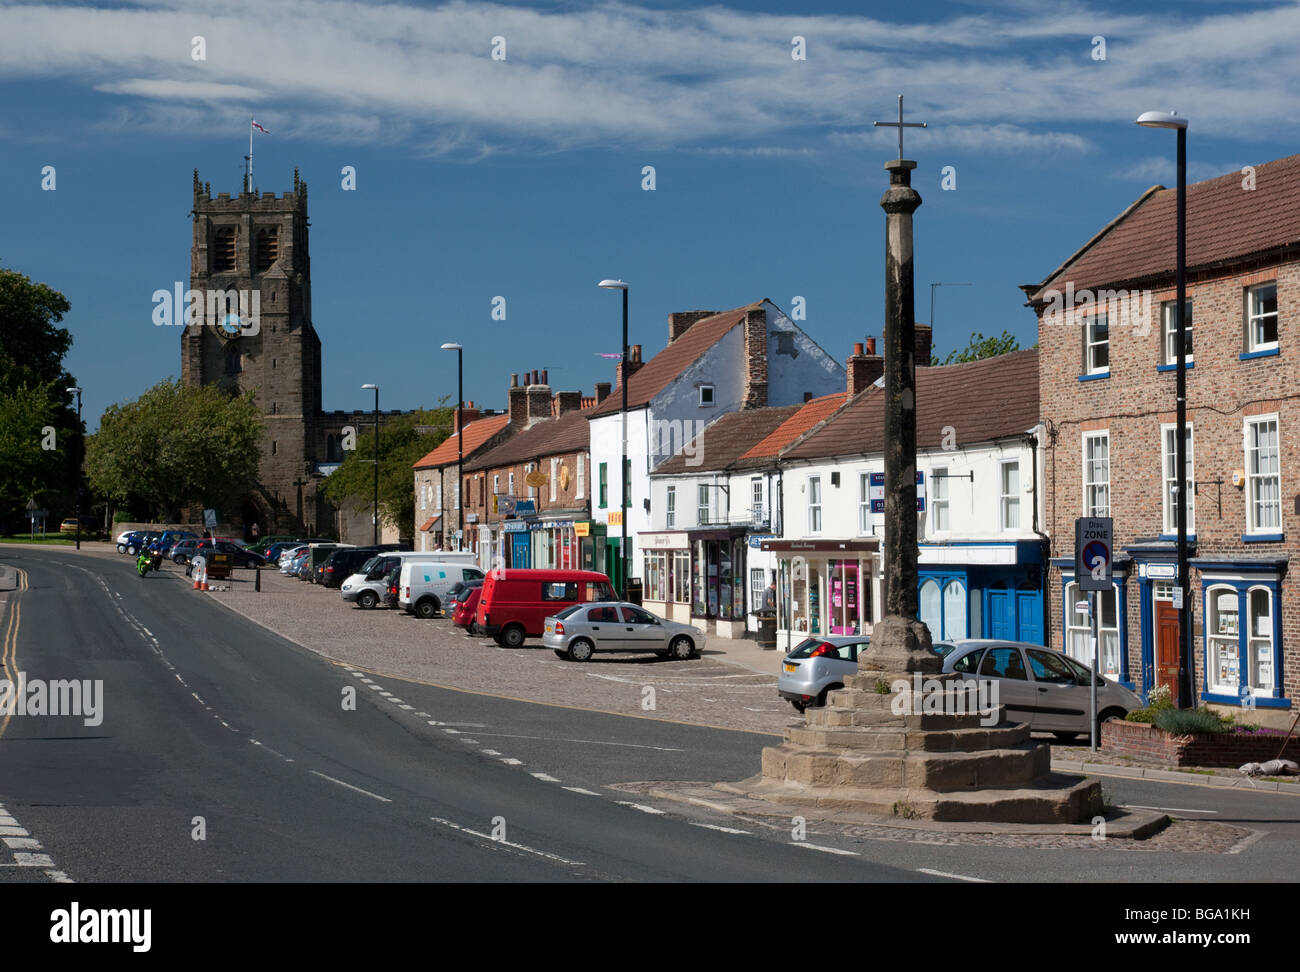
pixel 33 396
pixel 1182 722
pixel 403 441
pixel 1159 699
pixel 980 347
pixel 882 687
pixel 175 445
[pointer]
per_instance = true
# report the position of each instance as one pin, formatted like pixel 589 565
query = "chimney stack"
pixel 633 363
pixel 679 322
pixel 567 401
pixel 863 367
pixel 518 402
pixel 924 336
pixel 602 391
pixel 538 401
pixel 755 391
pixel 471 414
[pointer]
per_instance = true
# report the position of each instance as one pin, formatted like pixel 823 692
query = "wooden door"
pixel 1167 647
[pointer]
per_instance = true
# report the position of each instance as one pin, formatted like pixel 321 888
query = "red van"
pixel 515 603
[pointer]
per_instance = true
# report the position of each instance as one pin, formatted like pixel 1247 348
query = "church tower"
pixel 251 268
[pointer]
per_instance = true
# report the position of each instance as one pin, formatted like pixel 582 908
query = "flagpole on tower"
pixel 251 122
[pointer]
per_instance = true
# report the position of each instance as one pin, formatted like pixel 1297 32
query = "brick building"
pixel 438 486
pixel 1107 379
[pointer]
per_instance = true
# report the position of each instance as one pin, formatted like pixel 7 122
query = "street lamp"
pixel 460 437
pixel 622 469
pixel 375 525
pixel 1161 119
pixel 74 390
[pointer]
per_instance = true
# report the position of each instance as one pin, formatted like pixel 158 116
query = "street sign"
pixel 210 519
pixel 1178 598
pixel 1093 552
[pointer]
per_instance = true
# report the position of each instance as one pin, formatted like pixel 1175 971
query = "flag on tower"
pixel 259 127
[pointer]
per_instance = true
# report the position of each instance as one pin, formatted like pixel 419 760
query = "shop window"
pixel 681 576
pixel 954 610
pixel 1078 629
pixel 1240 624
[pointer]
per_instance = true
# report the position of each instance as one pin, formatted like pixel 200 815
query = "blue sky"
pixel 522 178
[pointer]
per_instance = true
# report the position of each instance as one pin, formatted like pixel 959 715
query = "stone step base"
pixel 902 738
pixel 1053 799
pixel 942 771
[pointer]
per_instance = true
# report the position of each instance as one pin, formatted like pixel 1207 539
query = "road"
pixel 295 769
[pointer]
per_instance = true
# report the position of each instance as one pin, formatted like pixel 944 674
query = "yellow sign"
pixel 615 518
pixel 582 529
pixel 537 478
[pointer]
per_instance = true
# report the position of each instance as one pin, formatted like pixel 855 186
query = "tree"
pixel 174 445
pixel 403 440
pixel 34 464
pixel 980 347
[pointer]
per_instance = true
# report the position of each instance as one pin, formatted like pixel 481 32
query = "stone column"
pixel 900 643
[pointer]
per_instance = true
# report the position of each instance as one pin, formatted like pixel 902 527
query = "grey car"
pixel 1040 686
pixel 818 665
pixel 581 630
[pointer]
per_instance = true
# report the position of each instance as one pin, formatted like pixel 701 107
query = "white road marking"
pixel 578 789
pixel 7 831
pixel 452 732
pixel 22 843
pixel 640 806
pixel 422 715
pixel 32 860
pixel 270 750
pixel 589 742
pixel 1134 806
pixel 725 830
pixel 506 843
pixel 824 850
pixel 407 707
pixel 58 877
pixel 472 742
pixel 490 752
pixel 351 787
pixel 512 762
pixel 955 877
pixel 396 701
pixel 545 778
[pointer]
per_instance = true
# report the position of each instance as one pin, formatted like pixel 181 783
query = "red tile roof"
pixel 724 439
pixel 476 433
pixel 983 400
pixel 796 425
pixel 549 437
pixel 1225 223
pixel 654 376
pixel 427 524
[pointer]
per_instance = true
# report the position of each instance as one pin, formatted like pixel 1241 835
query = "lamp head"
pixel 1161 119
pixel 612 285
pixel 451 346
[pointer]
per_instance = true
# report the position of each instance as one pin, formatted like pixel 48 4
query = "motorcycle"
pixel 144 563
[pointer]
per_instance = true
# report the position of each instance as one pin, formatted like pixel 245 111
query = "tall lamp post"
pixel 622 469
pixel 460 436
pixel 375 515
pixel 75 390
pixel 1161 119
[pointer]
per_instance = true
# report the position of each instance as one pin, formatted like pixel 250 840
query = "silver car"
pixel 1040 686
pixel 818 665
pixel 581 630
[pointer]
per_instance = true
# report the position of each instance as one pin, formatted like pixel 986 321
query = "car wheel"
pixel 426 607
pixel 367 599
pixel 121 548
pixel 131 550
pixel 1066 737
pixel 798 706
pixel 512 637
pixel 1106 716
pixel 581 650
pixel 821 699
pixel 681 648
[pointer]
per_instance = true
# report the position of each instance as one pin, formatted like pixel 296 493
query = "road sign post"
pixel 1093 558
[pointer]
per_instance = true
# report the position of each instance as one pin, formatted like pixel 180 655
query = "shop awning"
pixel 428 524
pixel 821 546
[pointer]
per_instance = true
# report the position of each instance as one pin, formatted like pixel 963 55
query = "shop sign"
pixel 582 528
pixel 515 526
pixel 615 518
pixel 756 540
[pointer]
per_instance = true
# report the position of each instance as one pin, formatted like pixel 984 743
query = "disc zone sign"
pixel 1093 545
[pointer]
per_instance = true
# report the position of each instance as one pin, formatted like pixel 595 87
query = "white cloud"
pixel 1016 79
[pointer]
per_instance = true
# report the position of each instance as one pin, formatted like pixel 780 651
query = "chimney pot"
pixel 807 396
pixel 871 346
pixel 857 348
pixel 535 381
pixel 545 380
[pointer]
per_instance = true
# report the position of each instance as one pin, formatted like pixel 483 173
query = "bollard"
pixel 257 579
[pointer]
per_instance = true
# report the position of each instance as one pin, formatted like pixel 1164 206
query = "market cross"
pixel 900 125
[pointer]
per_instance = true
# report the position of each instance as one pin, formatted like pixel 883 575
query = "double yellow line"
pixel 9 648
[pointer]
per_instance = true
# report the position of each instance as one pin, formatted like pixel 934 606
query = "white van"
pixel 424 584
pixel 366 587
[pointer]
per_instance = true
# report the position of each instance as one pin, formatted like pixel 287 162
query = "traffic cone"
pixel 204 586
pixel 195 572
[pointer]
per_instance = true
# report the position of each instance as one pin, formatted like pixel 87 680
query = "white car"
pixel 366 586
pixel 425 584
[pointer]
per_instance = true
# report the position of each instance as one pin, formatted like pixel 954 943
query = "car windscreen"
pixel 805 648
pixel 368 566
pixel 568 611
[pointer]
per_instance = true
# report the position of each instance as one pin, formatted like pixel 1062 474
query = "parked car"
pixel 69 525
pixel 343 563
pixel 818 665
pixel 515 603
pixel 425 584
pixel 138 540
pixel 239 556
pixel 183 551
pixel 291 562
pixel 464 608
pixel 368 585
pixel 318 552
pixel 579 631
pixel 1043 687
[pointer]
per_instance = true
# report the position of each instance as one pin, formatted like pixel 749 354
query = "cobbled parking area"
pixel 705 691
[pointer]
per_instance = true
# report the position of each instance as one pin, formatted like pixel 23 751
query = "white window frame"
pixel 756 498
pixel 581 491
pixel 1093 485
pixel 670 507
pixel 555 475
pixel 1254 639
pixel 1090 344
pixel 864 503
pixel 511 481
pixel 814 486
pixel 496 483
pixel 1109 641
pixel 703 508
pixel 1168 477
pixel 712 396
pixel 532 490
pixel 757 588
pixel 940 502
pixel 1255 318
pixel 1255 479
pixel 1217 640
pixel 681 577
pixel 1169 331
pixel 1006 500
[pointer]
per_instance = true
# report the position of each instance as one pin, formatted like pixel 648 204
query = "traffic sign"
pixel 1093 552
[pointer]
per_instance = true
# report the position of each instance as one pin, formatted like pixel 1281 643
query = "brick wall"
pixel 1211 749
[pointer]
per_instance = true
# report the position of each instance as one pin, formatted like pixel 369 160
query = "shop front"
pixel 518 543
pixel 718 580
pixel 825 587
pixel 556 545
pixel 667 574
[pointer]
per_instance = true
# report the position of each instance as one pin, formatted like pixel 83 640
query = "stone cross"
pixel 900 125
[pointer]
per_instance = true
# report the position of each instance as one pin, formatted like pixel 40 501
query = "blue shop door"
pixel 1001 623
pixel 520 550
pixel 1029 616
